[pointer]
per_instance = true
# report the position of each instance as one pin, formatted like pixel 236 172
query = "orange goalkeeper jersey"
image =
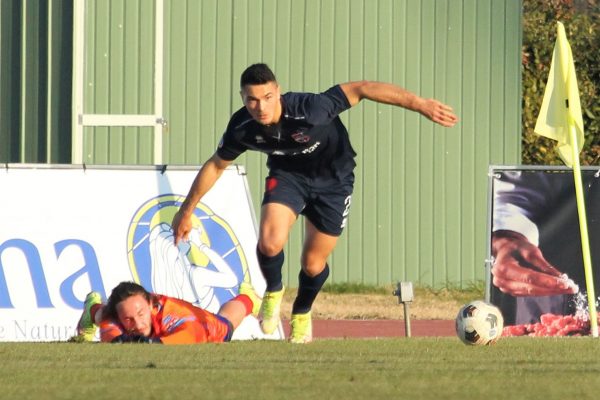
pixel 175 321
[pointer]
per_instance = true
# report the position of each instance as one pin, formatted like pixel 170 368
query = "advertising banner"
pixel 537 274
pixel 65 231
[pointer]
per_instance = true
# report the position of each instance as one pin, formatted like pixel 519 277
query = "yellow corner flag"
pixel 561 108
pixel 560 119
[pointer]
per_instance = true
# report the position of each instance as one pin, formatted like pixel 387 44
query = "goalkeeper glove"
pixel 124 338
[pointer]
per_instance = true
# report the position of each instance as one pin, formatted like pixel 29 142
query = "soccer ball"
pixel 479 323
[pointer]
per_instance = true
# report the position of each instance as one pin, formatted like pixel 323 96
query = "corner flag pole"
pixel 560 119
pixel 585 241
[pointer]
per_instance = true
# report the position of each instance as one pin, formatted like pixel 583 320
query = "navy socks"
pixel 308 289
pixel 271 269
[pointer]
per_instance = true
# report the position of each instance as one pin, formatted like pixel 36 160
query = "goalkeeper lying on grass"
pixel 132 314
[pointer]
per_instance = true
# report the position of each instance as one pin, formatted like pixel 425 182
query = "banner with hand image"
pixel 537 274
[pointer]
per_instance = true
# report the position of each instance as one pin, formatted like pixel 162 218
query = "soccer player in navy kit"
pixel 310 163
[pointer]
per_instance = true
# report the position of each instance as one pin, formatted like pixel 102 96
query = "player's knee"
pixel 269 248
pixel 311 271
pixel 313 266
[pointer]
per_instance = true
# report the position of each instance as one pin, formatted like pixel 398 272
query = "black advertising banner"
pixel 538 278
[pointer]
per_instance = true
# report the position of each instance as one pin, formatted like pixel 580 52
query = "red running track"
pixel 377 328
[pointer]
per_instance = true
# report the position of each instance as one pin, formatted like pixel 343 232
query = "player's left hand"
pixel 439 113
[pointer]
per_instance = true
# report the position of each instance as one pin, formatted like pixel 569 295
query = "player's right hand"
pixel 182 225
pixel 520 268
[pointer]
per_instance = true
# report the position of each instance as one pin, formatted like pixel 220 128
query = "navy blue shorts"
pixel 324 201
pixel 227 337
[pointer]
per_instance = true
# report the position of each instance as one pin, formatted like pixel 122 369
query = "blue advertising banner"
pixel 65 231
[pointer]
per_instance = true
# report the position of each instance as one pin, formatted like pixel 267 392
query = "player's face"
pixel 263 102
pixel 135 315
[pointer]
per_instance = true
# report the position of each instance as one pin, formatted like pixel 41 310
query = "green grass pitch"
pixel 399 368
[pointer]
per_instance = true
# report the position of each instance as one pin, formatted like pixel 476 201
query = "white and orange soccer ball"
pixel 479 323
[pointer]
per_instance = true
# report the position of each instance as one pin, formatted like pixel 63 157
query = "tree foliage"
pixel 581 20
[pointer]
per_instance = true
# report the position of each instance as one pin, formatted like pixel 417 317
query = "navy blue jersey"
pixel 309 138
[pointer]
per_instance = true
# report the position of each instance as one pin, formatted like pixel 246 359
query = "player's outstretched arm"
pixel 388 93
pixel 205 179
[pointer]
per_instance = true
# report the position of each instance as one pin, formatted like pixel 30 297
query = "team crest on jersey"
pixel 300 137
pixel 205 270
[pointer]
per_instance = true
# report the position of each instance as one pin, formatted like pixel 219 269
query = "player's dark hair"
pixel 123 291
pixel 257 74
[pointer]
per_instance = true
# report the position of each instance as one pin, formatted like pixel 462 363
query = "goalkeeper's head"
pixel 130 305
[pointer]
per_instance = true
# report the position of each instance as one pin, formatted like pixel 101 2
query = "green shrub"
pixel 581 19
